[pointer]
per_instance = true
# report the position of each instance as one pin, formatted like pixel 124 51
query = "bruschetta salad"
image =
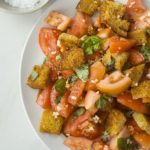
pixel 94 82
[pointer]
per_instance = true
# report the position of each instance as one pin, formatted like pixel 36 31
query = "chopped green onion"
pixel 57 100
pixel 34 75
pixel 58 57
pixel 45 60
pixel 79 112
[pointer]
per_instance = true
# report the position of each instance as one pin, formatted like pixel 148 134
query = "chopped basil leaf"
pixel 58 57
pixel 146 52
pixel 34 75
pixel 91 44
pixel 129 114
pixel 148 32
pixel 79 112
pixel 106 132
pixel 102 102
pixel 45 60
pixel 127 144
pixel 110 65
pixel 57 100
pixel 126 66
pixel 72 79
pixel 82 72
pixel 60 85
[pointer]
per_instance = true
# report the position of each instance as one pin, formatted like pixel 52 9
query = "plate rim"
pixel 20 79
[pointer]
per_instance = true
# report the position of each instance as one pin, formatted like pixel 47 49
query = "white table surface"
pixel 15 131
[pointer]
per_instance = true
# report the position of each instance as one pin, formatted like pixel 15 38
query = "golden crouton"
pixel 88 6
pixel 120 59
pixel 120 26
pixel 139 35
pixel 142 90
pixel 135 74
pixel 142 121
pixel 115 122
pixel 51 122
pixel 41 79
pixel 69 41
pixel 111 14
pixel 92 30
pixel 73 58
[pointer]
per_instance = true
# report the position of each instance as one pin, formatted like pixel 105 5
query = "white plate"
pixel 33 55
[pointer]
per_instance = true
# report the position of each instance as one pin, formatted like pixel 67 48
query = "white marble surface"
pixel 15 131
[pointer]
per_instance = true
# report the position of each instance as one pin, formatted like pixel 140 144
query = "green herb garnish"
pixel 72 79
pixel 148 104
pixel 60 86
pixel 146 52
pixel 102 101
pixel 110 65
pixel 82 72
pixel 57 100
pixel 148 32
pixel 45 60
pixel 79 112
pixel 126 66
pixel 91 44
pixel 106 132
pixel 58 57
pixel 129 114
pixel 126 144
pixel 34 75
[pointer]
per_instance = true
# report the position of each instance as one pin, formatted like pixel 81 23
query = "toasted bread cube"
pixel 111 14
pixel 142 121
pixel 120 26
pixel 120 59
pixel 51 122
pixel 115 122
pixel 68 41
pixel 88 6
pixel 92 30
pixel 135 74
pixel 142 90
pixel 58 20
pixel 43 76
pixel 139 35
pixel 73 58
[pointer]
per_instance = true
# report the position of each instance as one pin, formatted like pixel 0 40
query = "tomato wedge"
pixel 97 72
pixel 80 24
pixel 114 84
pixel 67 73
pixel 99 145
pixel 90 101
pixel 143 139
pixel 48 42
pixel 137 105
pixel 105 33
pixel 143 22
pixel 119 44
pixel 63 108
pixel 76 92
pixel 78 143
pixel 43 98
pixel 58 20
pixel 135 57
pixel 133 127
pixel 71 126
pixel 135 8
